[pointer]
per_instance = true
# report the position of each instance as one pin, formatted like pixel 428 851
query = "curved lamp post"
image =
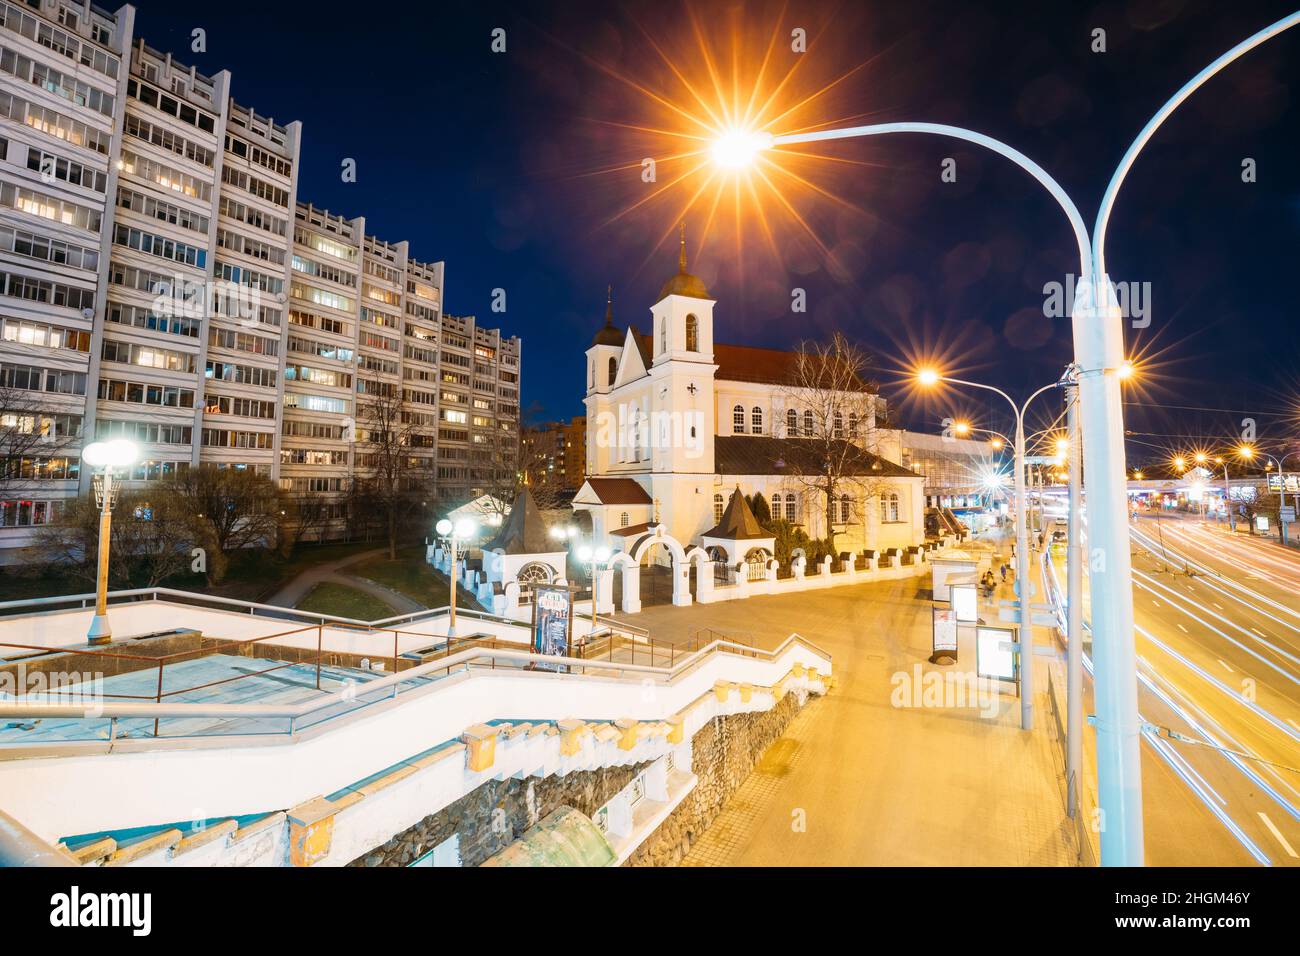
pixel 1098 355
pixel 462 530
pixel 931 377
pixel 106 455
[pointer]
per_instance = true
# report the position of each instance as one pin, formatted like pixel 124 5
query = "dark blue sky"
pixel 477 158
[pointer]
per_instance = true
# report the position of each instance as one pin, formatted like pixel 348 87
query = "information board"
pixel 552 622
pixel 995 656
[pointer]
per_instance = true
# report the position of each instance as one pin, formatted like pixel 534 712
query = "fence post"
pixel 394 652
pixel 319 651
pixel 158 698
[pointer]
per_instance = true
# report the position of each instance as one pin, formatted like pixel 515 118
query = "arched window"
pixel 839 425
pixel 624 520
pixel 756 420
pixel 692 334
pixel 717 509
pixel 846 509
pixel 853 424
pixel 893 507
pixel 889 507
pixel 591 378
pixel 807 423
pixel 663 336
pixel 636 434
pixel 792 507
pixel 791 423
pixel 776 507
pixel 613 369
pixel 738 420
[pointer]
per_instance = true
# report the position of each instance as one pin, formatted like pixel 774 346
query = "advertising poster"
pixel 994 656
pixel 944 635
pixel 552 623
pixel 965 602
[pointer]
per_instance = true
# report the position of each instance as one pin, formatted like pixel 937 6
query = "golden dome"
pixel 684 283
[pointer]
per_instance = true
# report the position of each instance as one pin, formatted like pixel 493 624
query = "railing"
pixel 85 601
pixel 347 700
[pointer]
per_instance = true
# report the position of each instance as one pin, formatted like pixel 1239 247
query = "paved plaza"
pixel 857 781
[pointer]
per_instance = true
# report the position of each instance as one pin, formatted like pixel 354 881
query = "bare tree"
pixel 833 428
pixel 150 543
pixel 29 431
pixel 227 510
pixel 391 478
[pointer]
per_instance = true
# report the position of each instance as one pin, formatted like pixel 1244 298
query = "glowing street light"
pixel 1097 323
pixel 929 377
pixel 462 530
pixel 118 453
pixel 738 148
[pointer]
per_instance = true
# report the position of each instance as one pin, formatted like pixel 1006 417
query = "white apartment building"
pixel 160 280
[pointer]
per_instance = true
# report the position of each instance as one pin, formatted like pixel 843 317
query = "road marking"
pixel 1181 628
pixel 1226 667
pixel 1277 833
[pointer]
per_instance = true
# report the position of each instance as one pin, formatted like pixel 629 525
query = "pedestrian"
pixel 1004 572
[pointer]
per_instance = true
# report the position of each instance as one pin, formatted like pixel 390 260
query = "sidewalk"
pixel 300 587
pixel 858 781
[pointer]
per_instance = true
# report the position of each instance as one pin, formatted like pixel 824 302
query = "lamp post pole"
pixel 100 630
pixel 117 453
pixel 1022 584
pixel 1098 352
pixel 1074 603
pixel 464 529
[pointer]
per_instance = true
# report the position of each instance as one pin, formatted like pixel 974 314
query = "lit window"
pixel 717 509
pixel 756 420
pixel 738 420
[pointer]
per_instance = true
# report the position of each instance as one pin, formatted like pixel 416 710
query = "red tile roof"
pixel 619 491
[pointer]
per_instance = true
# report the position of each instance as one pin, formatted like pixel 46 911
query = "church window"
pixel 692 334
pixel 846 509
pixel 591 383
pixel 717 509
pixel 613 369
pixel 756 420
pixel 808 423
pixel 791 507
pixel 853 424
pixel 738 420
pixel 663 336
pixel 839 425
pixel 776 507
pixel 889 507
pixel 791 423
pixel 624 520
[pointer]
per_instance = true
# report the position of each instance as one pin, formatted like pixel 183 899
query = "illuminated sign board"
pixel 965 602
pixel 994 654
pixel 1287 483
pixel 944 639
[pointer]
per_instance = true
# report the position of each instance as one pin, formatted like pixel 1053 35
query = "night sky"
pixel 504 166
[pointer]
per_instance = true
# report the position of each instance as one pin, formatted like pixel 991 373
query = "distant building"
pixel 162 280
pixel 554 455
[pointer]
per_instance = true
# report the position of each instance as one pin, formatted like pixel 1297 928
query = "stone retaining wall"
pixel 497 813
pixel 724 752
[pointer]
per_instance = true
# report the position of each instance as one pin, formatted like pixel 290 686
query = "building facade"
pixel 676 423
pixel 161 281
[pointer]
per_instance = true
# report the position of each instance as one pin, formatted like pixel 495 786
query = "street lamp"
pixel 454 533
pixel 118 453
pixel 1098 352
pixel 593 558
pixel 929 377
pixel 1249 453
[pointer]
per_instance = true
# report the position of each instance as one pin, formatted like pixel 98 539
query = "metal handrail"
pixel 198 598
pixel 101 711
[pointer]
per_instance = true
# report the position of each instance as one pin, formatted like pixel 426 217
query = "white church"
pixel 677 423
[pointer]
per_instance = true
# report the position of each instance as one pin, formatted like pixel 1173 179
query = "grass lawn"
pixel 252 575
pixel 412 576
pixel 343 601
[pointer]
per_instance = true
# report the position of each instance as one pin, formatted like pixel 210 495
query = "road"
pixel 1218 644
